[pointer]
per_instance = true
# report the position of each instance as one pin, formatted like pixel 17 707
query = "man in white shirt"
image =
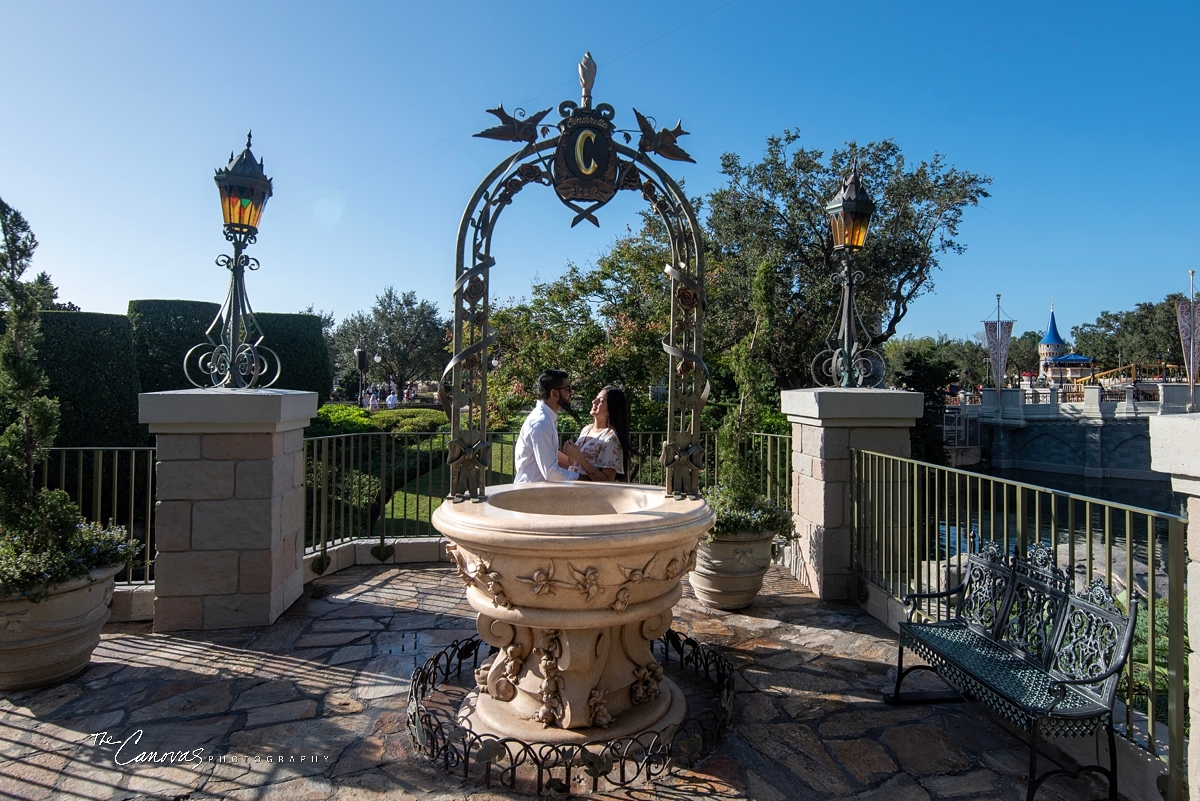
pixel 536 454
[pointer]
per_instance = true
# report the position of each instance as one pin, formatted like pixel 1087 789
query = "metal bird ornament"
pixel 512 129
pixel 663 142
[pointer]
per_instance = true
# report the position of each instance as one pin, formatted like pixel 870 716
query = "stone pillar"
pixel 1175 449
pixel 230 514
pixel 826 424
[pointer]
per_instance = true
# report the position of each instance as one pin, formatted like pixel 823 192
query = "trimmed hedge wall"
pixel 298 340
pixel 89 362
pixel 165 330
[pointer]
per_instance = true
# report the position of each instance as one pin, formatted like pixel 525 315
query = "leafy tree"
pixel 967 356
pixel 603 325
pixel 1141 336
pixel 407 333
pixel 42 540
pixel 1023 355
pixel 45 292
pixel 927 372
pixel 774 211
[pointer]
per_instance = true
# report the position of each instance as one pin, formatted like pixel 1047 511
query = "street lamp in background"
pixel 234 354
pixel 846 362
pixel 360 364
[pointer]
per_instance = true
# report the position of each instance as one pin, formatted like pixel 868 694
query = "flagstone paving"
pixel 312 708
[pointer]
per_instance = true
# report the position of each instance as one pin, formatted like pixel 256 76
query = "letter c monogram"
pixel 586 165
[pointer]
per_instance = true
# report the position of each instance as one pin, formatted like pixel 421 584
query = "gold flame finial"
pixel 587 78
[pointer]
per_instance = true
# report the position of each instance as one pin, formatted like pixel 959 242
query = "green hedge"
pixel 298 340
pixel 410 420
pixel 90 364
pixel 165 330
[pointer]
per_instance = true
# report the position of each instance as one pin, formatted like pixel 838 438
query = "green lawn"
pixel 408 513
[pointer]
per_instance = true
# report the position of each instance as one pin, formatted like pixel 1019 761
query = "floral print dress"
pixel 601 448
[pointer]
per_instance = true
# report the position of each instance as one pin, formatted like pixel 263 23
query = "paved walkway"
pixel 313 708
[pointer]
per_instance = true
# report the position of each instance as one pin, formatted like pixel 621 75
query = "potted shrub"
pixel 731 562
pixel 733 559
pixel 56 571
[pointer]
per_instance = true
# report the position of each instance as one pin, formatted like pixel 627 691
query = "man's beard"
pixel 564 405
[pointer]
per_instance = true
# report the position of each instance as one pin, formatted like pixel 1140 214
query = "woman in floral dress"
pixel 602 451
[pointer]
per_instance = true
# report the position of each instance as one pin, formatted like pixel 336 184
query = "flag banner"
pixel 1188 312
pixel 998 333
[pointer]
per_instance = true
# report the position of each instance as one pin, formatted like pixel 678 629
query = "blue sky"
pixel 114 116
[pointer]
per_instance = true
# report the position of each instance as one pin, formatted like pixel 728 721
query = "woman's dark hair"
pixel 618 421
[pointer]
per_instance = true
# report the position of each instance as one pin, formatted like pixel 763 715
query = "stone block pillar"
pixel 230 513
pixel 1175 449
pixel 826 424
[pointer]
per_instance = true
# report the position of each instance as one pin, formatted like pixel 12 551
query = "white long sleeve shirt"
pixel 536 453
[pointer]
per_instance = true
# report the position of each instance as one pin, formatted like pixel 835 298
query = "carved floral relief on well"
pixel 646 679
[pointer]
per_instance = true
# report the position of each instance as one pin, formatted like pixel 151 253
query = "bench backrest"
pixel 1095 636
pixel 986 588
pixel 1037 604
pixel 1028 603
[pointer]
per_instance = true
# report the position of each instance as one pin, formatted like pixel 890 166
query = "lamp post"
pixel 846 363
pixel 234 354
pixel 360 363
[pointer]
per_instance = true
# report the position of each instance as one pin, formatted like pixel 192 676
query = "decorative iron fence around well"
pixel 113 486
pixel 380 486
pixel 915 525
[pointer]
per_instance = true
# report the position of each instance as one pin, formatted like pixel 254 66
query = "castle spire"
pixel 1052 336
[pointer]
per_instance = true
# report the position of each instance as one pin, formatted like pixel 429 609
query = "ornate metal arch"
pixel 586 167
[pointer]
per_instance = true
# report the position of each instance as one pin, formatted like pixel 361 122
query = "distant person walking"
pixel 374 407
pixel 536 453
pixel 392 400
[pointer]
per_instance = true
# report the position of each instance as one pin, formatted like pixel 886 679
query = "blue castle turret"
pixel 1052 346
pixel 1056 363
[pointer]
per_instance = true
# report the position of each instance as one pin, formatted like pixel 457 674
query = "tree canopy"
pixel 602 324
pixel 407 333
pixel 774 211
pixel 767 239
pixel 1142 335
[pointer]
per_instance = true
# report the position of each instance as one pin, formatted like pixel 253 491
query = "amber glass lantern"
pixel 244 188
pixel 850 213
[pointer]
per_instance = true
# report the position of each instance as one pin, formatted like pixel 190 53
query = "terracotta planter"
pixel 48 642
pixel 729 571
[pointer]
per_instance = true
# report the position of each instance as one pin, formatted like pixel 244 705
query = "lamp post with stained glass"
pixel 234 355
pixel 847 362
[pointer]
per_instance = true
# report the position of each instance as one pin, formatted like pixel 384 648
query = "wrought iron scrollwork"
pixel 438 733
pixel 587 168
pixel 234 355
pixel 848 359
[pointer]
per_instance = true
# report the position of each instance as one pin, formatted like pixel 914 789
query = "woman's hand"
pixel 593 473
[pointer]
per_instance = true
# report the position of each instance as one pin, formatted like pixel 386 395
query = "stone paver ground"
pixel 312 708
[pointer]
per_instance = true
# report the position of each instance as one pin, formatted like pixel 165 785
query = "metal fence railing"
pixel 914 525
pixel 383 485
pixel 773 460
pixel 959 429
pixel 113 486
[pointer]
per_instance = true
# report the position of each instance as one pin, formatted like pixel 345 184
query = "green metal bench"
pixel 1026 648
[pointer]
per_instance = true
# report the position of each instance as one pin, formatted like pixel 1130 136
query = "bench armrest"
pixel 910 599
pixel 1058 688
